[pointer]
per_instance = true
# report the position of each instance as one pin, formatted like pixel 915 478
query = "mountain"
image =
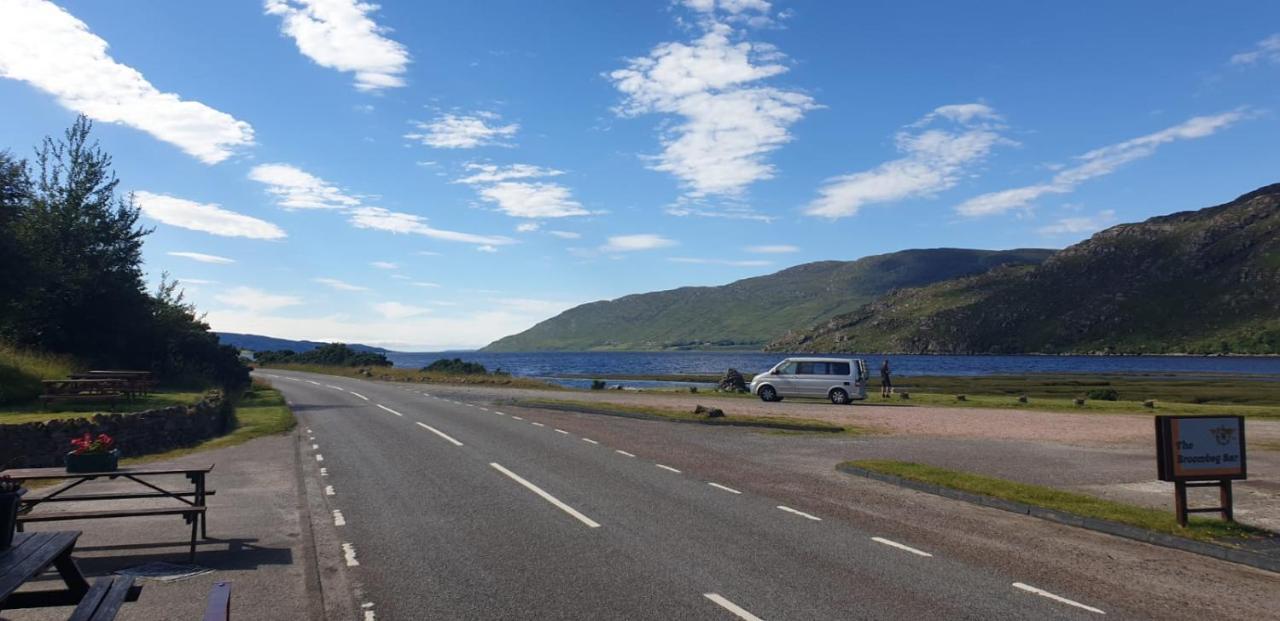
pixel 1204 281
pixel 749 313
pixel 255 342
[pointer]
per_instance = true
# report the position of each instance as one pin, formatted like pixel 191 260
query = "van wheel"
pixel 767 393
pixel 839 396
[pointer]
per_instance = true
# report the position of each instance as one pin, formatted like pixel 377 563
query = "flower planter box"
pixel 9 516
pixel 93 462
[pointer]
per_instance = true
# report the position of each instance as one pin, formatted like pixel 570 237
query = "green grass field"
pixel 1202 529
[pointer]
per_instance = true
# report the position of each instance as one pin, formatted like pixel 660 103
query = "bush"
pixel 597 384
pixel 1103 394
pixel 456 366
pixel 961 398
pixel 329 354
pixel 1078 401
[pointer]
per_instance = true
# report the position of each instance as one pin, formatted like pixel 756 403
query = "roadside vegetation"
pixel 261 411
pixel 687 416
pixel 422 376
pixel 28 413
pixel 21 371
pixel 1161 521
pixel 329 354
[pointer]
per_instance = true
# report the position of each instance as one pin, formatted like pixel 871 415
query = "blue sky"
pixel 427 175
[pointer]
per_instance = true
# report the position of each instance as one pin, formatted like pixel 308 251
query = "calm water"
pixel 559 364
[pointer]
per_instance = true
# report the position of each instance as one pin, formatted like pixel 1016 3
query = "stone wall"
pixel 37 445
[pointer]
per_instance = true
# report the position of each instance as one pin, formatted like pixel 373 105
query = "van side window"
pixel 839 368
pixel 787 369
pixel 810 368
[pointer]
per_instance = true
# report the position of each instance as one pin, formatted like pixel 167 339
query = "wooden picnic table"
pixel 192 504
pixel 29 556
pixel 96 389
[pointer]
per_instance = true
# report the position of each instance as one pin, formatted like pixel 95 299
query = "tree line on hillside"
pixel 331 354
pixel 72 279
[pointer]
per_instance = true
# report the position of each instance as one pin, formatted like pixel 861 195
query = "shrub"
pixel 904 395
pixel 1022 399
pixel 1149 403
pixel 1078 401
pixel 961 398
pixel 456 366
pixel 597 384
pixel 1103 394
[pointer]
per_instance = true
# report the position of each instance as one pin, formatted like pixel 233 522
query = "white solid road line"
pixel 622 452
pixel 727 489
pixel 731 607
pixel 359 395
pixel 800 513
pixel 899 546
pixel 389 409
pixel 668 468
pixel 1057 598
pixel 349 553
pixel 338 520
pixel 589 441
pixel 547 497
pixel 439 433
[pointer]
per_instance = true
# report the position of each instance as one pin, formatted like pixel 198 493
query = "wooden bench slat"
pixel 97 515
pixel 30 557
pixel 42 499
pixel 27 474
pixel 104 599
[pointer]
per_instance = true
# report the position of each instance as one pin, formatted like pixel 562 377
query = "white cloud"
pixel 631 243
pixel 196 281
pixel 385 265
pixel 339 285
pixel 256 300
pixel 750 12
pixel 492 173
pixel 933 160
pixel 1079 224
pixel 47 47
pixel 1097 163
pixel 727 126
pixel 295 188
pixel 430 285
pixel 202 257
pixel 532 200
pixel 341 35
pixel 566 234
pixel 729 262
pixel 776 249
pixel 487 248
pixel 452 131
pixel 396 310
pixel 1267 50
pixel 207 217
pixel 400 222
pixel 528 227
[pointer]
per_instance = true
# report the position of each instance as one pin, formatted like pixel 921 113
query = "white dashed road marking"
pixel 589 441
pixel 390 410
pixel 1057 598
pixel 319 457
pixel 336 387
pixel 359 395
pixel 800 513
pixel 338 520
pixel 621 452
pixel 439 433
pixel 727 489
pixel 668 468
pixel 545 496
pixel 562 431
pixel 312 382
pixel 324 472
pixel 349 553
pixel 731 607
pixel 328 490
pixel 899 546
pixel 538 424
pixel 516 418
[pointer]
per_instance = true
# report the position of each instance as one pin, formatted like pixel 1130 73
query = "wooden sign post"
pixel 1201 451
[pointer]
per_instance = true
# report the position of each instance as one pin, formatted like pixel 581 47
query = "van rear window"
pixel 839 368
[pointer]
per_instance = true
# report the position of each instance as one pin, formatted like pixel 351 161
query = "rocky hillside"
pixel 749 313
pixel 1204 281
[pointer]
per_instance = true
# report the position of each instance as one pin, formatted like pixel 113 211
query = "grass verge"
pixel 18 414
pixel 21 371
pixel 260 412
pixel 653 413
pixel 1200 529
pixel 392 374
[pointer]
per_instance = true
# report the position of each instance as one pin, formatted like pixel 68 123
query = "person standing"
pixel 886 382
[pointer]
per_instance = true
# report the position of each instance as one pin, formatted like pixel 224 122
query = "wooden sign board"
pixel 1200 448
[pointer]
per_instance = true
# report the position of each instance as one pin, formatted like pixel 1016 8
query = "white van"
pixel 837 379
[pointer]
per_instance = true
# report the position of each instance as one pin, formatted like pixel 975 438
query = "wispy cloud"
pixel 523 199
pixel 454 131
pixel 400 222
pixel 385 265
pixel 295 188
pixel 429 285
pixel 341 35
pixel 934 159
pixel 492 173
pixel 47 47
pixel 1097 163
pixel 566 234
pixel 1079 224
pixel 729 262
pixel 396 310
pixel 632 243
pixel 202 257
pixel 1267 50
pixel 207 217
pixel 775 249
pixel 256 300
pixel 334 283
pixel 728 124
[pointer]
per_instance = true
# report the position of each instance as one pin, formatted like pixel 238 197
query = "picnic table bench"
pixel 97 390
pixel 137 382
pixel 32 553
pixel 191 505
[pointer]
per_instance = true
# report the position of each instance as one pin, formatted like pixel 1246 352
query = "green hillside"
pixel 1204 281
pixel 749 313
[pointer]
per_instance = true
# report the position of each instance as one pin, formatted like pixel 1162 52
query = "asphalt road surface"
pixel 468 510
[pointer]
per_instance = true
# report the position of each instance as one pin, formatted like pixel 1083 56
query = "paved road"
pixel 456 510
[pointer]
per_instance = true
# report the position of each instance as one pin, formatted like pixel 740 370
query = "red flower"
pixel 87 444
